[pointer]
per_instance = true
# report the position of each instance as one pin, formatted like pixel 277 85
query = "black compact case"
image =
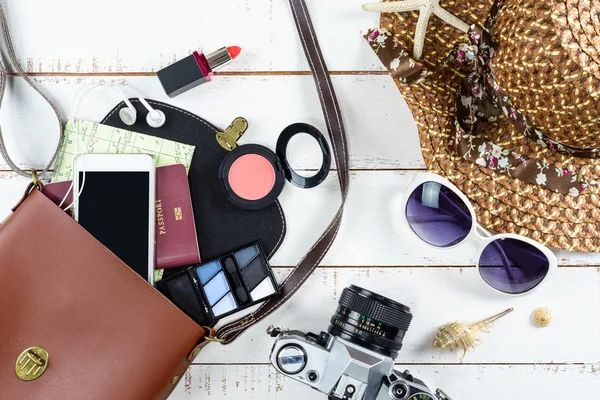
pixel 212 290
pixel 220 225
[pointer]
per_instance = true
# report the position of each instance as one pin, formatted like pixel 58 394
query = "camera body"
pixel 354 359
pixel 342 369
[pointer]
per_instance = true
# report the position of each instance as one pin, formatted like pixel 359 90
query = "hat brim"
pixel 502 203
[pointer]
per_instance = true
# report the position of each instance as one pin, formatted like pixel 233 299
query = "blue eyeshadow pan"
pixel 246 255
pixel 226 304
pixel 207 271
pixel 216 288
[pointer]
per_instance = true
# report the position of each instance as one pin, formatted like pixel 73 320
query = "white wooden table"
pixel 67 43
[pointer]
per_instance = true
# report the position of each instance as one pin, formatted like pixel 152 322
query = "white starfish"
pixel 426 9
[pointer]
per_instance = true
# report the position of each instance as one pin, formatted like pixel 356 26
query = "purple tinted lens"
pixel 513 266
pixel 437 215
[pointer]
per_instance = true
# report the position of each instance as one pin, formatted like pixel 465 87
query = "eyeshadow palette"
pixel 218 288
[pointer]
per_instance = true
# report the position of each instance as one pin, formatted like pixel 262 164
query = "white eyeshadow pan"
pixel 226 304
pixel 264 289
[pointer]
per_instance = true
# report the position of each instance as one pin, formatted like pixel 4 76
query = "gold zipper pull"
pixel 233 133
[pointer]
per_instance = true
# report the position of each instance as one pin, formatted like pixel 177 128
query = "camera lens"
pixel 370 320
pixel 421 396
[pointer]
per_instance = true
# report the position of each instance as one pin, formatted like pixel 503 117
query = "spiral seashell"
pixel 541 317
pixel 455 335
pixel 458 335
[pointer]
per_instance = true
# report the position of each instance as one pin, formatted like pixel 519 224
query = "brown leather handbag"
pixel 75 321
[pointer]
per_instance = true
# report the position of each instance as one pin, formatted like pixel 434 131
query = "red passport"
pixel 176 240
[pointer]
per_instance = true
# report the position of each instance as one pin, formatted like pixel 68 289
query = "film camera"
pixel 354 359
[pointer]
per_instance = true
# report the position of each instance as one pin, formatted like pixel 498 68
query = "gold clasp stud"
pixel 32 363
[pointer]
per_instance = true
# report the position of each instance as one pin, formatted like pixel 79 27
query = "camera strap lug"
pixel 275 331
pixel 441 395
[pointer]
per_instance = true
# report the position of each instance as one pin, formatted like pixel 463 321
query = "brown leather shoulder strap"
pixel 337 134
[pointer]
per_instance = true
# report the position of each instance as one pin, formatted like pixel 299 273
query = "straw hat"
pixel 514 126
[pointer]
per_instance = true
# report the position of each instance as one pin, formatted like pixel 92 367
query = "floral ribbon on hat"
pixel 480 101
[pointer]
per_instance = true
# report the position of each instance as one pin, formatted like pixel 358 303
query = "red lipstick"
pixel 234 51
pixel 194 70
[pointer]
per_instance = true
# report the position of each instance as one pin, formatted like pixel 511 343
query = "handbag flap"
pixel 107 332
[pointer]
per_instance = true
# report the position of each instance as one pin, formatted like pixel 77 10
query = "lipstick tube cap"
pixel 185 74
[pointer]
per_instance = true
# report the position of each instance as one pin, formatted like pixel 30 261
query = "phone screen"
pixel 114 208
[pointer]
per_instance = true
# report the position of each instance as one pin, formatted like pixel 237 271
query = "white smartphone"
pixel 114 201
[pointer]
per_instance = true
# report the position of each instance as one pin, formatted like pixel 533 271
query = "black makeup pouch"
pixel 220 225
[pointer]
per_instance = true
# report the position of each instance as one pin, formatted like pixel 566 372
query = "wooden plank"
pixel 372 232
pixel 466 382
pixel 380 128
pixel 117 36
pixel 437 296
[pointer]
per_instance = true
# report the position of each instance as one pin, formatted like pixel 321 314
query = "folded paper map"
pixel 97 138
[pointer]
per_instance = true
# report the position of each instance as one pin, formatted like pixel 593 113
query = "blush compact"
pixel 254 176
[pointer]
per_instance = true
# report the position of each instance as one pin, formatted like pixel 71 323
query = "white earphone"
pixel 155 118
pixel 128 114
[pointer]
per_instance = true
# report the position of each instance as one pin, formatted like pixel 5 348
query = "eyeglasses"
pixel 441 216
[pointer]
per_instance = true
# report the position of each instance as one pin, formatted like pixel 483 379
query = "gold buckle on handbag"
pixel 34 177
pixel 214 339
pixel 37 184
pixel 32 363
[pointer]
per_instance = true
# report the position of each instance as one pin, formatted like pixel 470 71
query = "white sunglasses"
pixel 443 217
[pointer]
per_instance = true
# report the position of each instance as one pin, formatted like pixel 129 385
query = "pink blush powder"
pixel 251 177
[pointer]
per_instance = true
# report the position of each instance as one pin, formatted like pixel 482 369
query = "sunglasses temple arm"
pixel 427 218
pixel 504 258
pixel 484 232
pixel 499 249
pixel 449 218
pixel 453 204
